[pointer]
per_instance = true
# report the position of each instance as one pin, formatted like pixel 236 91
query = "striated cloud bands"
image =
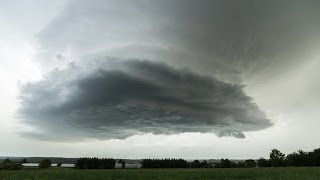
pixel 110 98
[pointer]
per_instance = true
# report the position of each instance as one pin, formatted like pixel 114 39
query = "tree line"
pixel 164 163
pixel 297 158
pixel 276 159
pixel 95 163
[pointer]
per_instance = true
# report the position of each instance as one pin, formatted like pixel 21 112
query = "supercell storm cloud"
pixel 159 78
pixel 177 66
pixel 110 98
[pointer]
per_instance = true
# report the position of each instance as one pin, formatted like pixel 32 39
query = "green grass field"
pixel 164 174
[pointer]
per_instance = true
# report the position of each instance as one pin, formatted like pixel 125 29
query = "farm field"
pixel 289 173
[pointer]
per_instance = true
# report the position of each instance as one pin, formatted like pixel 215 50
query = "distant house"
pixel 36 165
pixel 67 165
pixel 30 165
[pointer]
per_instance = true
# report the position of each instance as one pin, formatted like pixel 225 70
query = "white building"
pixel 36 165
pixel 30 165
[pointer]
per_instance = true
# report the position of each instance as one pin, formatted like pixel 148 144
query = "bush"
pixel 8 165
pixel 264 163
pixel 46 163
pixel 195 164
pixel 225 163
pixel 250 163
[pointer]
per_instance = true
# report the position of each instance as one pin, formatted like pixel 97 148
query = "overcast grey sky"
pixel 170 78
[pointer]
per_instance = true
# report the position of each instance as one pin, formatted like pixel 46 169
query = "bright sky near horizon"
pixel 144 79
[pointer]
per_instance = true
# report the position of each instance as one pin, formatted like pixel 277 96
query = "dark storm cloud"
pixel 111 98
pixel 229 39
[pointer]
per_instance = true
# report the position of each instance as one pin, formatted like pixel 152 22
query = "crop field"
pixel 289 173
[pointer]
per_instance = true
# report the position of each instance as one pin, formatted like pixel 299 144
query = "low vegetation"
pixel 7 164
pixel 46 163
pixel 297 165
pixel 279 173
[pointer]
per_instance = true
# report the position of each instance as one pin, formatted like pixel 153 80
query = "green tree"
pixel 225 163
pixel 277 158
pixel 299 158
pixel 46 163
pixel 264 163
pixel 196 164
pixel 204 164
pixel 238 165
pixel 314 157
pixel 250 163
